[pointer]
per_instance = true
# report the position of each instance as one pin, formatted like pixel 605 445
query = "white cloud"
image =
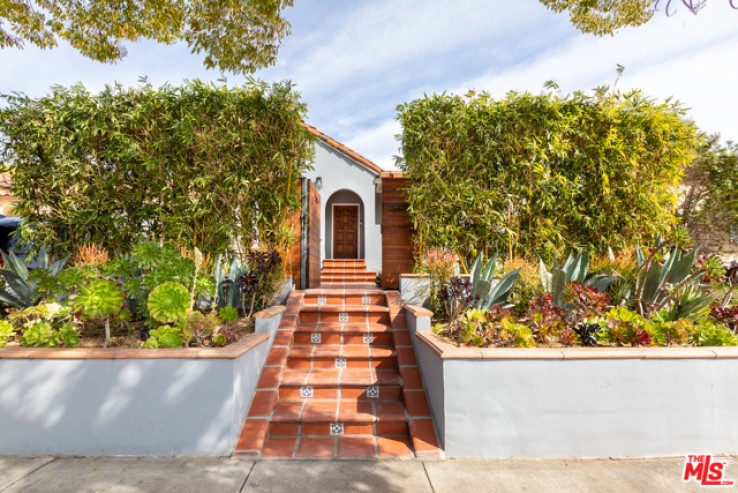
pixel 355 61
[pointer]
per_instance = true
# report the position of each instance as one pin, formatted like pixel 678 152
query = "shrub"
pixel 200 165
pixel 228 314
pixel 542 173
pixel 164 337
pixel 7 333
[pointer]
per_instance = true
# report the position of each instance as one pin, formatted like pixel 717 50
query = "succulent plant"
pixel 23 288
pixel 228 314
pixel 147 255
pixel 7 332
pixel 169 302
pixel 164 337
pixel 486 291
pixel 587 333
pixel 100 300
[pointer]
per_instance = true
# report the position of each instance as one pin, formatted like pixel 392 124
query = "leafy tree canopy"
pixel 543 174
pixel 238 36
pixel 205 166
pixel 600 17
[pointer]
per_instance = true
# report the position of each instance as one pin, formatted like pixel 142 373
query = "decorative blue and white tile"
pixel 372 392
pixel 336 428
pixel 365 300
pixel 343 317
pixel 315 338
pixel 368 338
pixel 321 300
pixel 306 391
pixel 340 362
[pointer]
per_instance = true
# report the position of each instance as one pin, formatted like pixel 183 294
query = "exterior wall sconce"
pixel 319 183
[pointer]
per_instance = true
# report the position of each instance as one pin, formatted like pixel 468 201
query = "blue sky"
pixel 355 61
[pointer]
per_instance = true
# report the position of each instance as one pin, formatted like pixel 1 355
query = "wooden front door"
pixel 346 231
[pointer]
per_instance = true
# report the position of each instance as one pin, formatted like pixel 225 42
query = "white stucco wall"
pixel 127 406
pixel 338 172
pixel 653 405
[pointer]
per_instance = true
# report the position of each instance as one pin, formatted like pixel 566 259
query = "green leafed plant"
pixel 486 291
pixel 100 300
pixel 22 287
pixel 574 269
pixel 7 333
pixel 169 302
pixel 228 314
pixel 164 337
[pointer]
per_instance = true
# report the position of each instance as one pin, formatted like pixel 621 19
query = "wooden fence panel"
pixel 313 240
pixel 397 232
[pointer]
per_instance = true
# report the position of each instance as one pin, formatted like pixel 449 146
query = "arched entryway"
pixel 344 225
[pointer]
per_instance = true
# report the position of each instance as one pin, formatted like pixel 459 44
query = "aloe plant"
pixel 486 291
pixel 21 287
pixel 574 269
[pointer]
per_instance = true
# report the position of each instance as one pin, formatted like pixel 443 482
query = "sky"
pixel 354 61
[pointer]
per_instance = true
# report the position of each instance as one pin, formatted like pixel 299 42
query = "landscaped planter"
pixel 578 402
pixel 415 288
pixel 189 401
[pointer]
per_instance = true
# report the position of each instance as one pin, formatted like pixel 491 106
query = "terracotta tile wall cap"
pixel 413 276
pixel 270 312
pixel 724 352
pixel 521 353
pixel 418 311
pixel 447 350
pixel 231 351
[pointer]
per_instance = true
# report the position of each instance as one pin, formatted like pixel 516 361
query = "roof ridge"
pixel 331 142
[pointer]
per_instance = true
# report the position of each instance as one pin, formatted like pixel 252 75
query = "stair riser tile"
pixel 353 317
pixel 328 363
pixel 312 300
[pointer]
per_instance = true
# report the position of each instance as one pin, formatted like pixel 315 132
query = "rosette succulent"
pixel 169 302
pixel 99 300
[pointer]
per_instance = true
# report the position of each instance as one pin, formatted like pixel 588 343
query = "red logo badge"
pixel 706 471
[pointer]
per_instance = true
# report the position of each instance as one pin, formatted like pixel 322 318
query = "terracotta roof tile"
pixel 343 149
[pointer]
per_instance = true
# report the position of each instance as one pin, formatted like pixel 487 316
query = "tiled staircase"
pixel 341 379
pixel 346 273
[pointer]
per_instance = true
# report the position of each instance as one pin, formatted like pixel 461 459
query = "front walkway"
pixel 341 379
pixel 184 475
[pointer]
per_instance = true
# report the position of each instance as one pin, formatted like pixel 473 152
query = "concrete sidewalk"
pixel 133 475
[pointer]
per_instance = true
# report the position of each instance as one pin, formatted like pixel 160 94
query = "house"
pixel 352 209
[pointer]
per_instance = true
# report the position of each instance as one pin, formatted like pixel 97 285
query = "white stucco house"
pixel 351 202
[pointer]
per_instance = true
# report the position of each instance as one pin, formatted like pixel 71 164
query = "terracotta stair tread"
pixel 346 377
pixel 335 411
pixel 343 327
pixel 345 308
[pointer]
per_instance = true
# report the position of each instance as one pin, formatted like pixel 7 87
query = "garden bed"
pixel 577 402
pixel 116 401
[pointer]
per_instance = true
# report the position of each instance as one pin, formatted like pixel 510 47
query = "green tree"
pixel 238 36
pixel 203 166
pixel 542 174
pixel 710 203
pixel 600 17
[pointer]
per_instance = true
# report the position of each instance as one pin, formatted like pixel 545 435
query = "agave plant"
pixel 486 291
pixel 674 283
pixel 227 279
pixel 575 269
pixel 21 287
